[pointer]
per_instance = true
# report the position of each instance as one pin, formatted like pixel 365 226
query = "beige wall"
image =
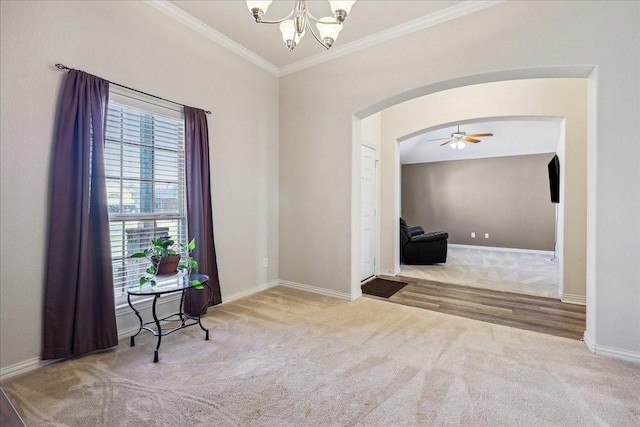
pixel 563 98
pixel 136 45
pixel 507 197
pixel 371 132
pixel 576 39
pixel 289 154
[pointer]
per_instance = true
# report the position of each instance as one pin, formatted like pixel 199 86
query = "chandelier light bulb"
pixel 341 8
pixel 259 4
pixel 258 7
pixel 288 30
pixel 289 34
pixel 329 30
pixel 295 24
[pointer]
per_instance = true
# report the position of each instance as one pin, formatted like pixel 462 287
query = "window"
pixel 145 177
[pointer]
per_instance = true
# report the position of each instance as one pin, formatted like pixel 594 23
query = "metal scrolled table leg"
pixel 180 308
pixel 155 319
pixel 133 337
pixel 206 304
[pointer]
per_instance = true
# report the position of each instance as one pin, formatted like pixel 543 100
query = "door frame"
pixel 376 201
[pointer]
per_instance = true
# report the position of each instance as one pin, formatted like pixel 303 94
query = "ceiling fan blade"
pixel 436 139
pixel 445 143
pixel 480 134
pixel 475 141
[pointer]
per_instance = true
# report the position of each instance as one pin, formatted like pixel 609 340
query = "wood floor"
pixel 533 313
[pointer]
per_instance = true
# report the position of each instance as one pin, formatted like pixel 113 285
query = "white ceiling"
pixel 511 137
pixel 369 22
pixel 230 23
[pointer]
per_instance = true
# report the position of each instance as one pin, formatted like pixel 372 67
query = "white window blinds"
pixel 145 174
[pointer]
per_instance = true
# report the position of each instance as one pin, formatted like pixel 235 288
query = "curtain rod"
pixel 64 67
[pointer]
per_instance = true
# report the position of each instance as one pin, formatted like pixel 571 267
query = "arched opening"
pixel 574 274
pixel 493 199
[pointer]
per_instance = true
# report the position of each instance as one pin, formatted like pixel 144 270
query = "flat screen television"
pixel 554 179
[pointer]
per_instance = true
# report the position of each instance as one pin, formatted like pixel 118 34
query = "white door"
pixel 367 211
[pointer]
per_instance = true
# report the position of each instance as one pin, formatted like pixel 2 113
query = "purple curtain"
pixel 79 309
pixel 199 211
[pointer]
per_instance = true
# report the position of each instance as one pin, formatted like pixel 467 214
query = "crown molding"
pixel 199 26
pixel 445 15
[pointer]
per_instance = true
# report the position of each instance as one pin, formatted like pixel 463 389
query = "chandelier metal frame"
pixel 294 29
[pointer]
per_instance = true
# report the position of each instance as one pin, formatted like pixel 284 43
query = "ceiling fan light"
pixel 461 145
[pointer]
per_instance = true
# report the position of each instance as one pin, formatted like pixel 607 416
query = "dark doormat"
pixel 382 288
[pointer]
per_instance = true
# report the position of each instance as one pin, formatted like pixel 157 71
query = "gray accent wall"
pixel 507 197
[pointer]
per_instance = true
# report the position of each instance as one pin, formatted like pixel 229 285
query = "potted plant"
pixel 164 256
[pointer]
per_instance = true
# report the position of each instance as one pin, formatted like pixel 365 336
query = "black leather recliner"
pixel 418 247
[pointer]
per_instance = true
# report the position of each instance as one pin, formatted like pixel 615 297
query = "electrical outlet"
pixel 265 262
pixel 473 234
pixel 486 235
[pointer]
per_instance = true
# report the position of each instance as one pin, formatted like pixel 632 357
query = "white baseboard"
pixel 123 333
pixel 23 367
pixel 492 248
pixel 252 291
pixel 588 341
pixel 127 332
pixel 320 291
pixel 574 299
pixel 614 353
pixel 389 272
pixel 35 363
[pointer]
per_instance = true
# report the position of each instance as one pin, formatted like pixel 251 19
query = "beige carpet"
pixel 285 357
pixel 500 270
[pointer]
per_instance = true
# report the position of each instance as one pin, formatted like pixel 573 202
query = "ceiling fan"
pixel 457 139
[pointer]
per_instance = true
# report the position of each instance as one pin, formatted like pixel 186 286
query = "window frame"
pixel 156 108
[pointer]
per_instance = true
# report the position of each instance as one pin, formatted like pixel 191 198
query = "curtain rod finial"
pixel 62 67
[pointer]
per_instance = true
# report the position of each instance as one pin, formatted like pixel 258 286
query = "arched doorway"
pixel 575 270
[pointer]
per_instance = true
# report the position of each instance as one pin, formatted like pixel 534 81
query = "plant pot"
pixel 166 264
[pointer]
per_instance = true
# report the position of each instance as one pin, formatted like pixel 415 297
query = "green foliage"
pixel 189 264
pixel 145 279
pixel 160 247
pixel 165 246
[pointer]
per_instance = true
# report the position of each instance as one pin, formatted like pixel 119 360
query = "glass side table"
pixel 168 285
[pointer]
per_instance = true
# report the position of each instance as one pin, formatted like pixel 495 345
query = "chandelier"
pixel 294 25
